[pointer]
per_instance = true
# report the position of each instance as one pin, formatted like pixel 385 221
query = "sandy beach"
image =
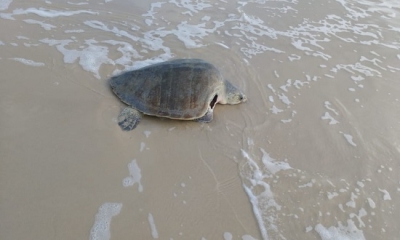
pixel 313 154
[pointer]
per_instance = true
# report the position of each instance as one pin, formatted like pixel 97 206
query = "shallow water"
pixel 313 154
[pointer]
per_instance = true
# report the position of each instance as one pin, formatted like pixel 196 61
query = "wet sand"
pixel 313 154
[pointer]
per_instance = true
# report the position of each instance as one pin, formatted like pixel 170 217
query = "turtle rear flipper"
pixel 129 118
pixel 208 117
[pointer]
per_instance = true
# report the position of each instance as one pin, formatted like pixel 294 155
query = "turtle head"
pixel 232 95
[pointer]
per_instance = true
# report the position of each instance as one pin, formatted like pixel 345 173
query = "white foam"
pixel 135 176
pixel 90 57
pixel 147 133
pixel 361 213
pixel 327 105
pixel 329 76
pixel 262 201
pixel 272 165
pixel 45 26
pixel 352 203
pixel 248 237
pixel 309 184
pixel 298 84
pixel 250 142
pixel 357 78
pixel 284 99
pixel 331 195
pixel 127 51
pixel 102 26
pixel 190 34
pixel 386 195
pixel 222 45
pixel 275 110
pixel 74 31
pixel 227 236
pixel 142 146
pixel 28 62
pixel 49 13
pixel 153 228
pixel 192 6
pixel 77 4
pixel 288 84
pixel 299 45
pixel 4 4
pixel 327 116
pixel 359 69
pixel 294 57
pixel 341 232
pixel 151 12
pixel 271 87
pixel 349 139
pixel 371 203
pixel 101 227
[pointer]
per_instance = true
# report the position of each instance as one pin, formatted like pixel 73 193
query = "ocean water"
pixel 313 154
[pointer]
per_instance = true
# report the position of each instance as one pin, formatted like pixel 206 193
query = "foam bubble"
pixel 262 202
pixel 153 228
pixel 327 116
pixel 43 12
pixel 275 110
pixel 271 98
pixel 227 236
pixel 147 133
pixel 101 226
pixel 341 232
pixel 386 195
pixel 273 165
pixel 74 31
pixel 349 139
pixel 142 146
pixel 371 203
pixel 135 176
pixel 192 6
pixel 327 105
pixel 361 213
pixel 4 4
pixel 352 203
pixel 331 195
pixel 90 57
pixel 284 99
pixel 45 26
pixel 28 62
pixel 248 237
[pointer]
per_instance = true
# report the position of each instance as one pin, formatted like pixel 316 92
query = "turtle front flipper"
pixel 129 118
pixel 208 117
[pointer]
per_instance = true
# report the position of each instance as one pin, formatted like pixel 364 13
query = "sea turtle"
pixel 184 89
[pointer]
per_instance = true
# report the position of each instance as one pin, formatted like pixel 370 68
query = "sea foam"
pixel 101 226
